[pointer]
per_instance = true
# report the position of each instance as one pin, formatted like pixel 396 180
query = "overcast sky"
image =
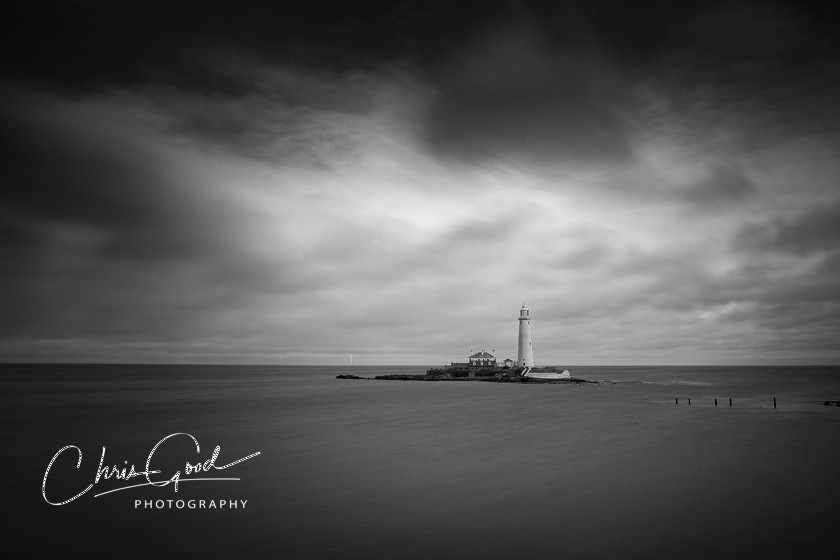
pixel 211 183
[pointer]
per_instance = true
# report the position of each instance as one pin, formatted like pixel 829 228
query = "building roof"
pixel 483 355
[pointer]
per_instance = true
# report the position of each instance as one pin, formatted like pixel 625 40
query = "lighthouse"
pixel 525 355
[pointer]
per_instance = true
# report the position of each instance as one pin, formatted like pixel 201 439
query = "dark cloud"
pixel 533 79
pixel 69 175
pixel 726 185
pixel 675 301
pixel 99 237
pixel 511 97
pixel 566 84
pixel 92 43
pixel 816 230
pixel 60 174
pixel 90 46
pixel 290 117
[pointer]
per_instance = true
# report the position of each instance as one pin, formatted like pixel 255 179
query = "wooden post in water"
pixel 689 401
pixel 774 403
pixel 730 401
pixel 676 400
pixel 715 401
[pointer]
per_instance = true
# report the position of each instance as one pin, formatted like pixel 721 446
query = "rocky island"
pixel 487 374
pixel 483 366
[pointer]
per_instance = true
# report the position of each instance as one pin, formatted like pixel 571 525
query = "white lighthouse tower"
pixel 525 355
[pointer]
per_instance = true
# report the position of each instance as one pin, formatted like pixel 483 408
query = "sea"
pixel 622 468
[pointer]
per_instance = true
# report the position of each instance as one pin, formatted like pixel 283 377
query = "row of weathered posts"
pixel 677 401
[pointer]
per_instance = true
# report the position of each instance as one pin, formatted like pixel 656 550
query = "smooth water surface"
pixel 392 469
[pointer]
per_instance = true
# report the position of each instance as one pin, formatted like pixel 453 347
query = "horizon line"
pixel 279 365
